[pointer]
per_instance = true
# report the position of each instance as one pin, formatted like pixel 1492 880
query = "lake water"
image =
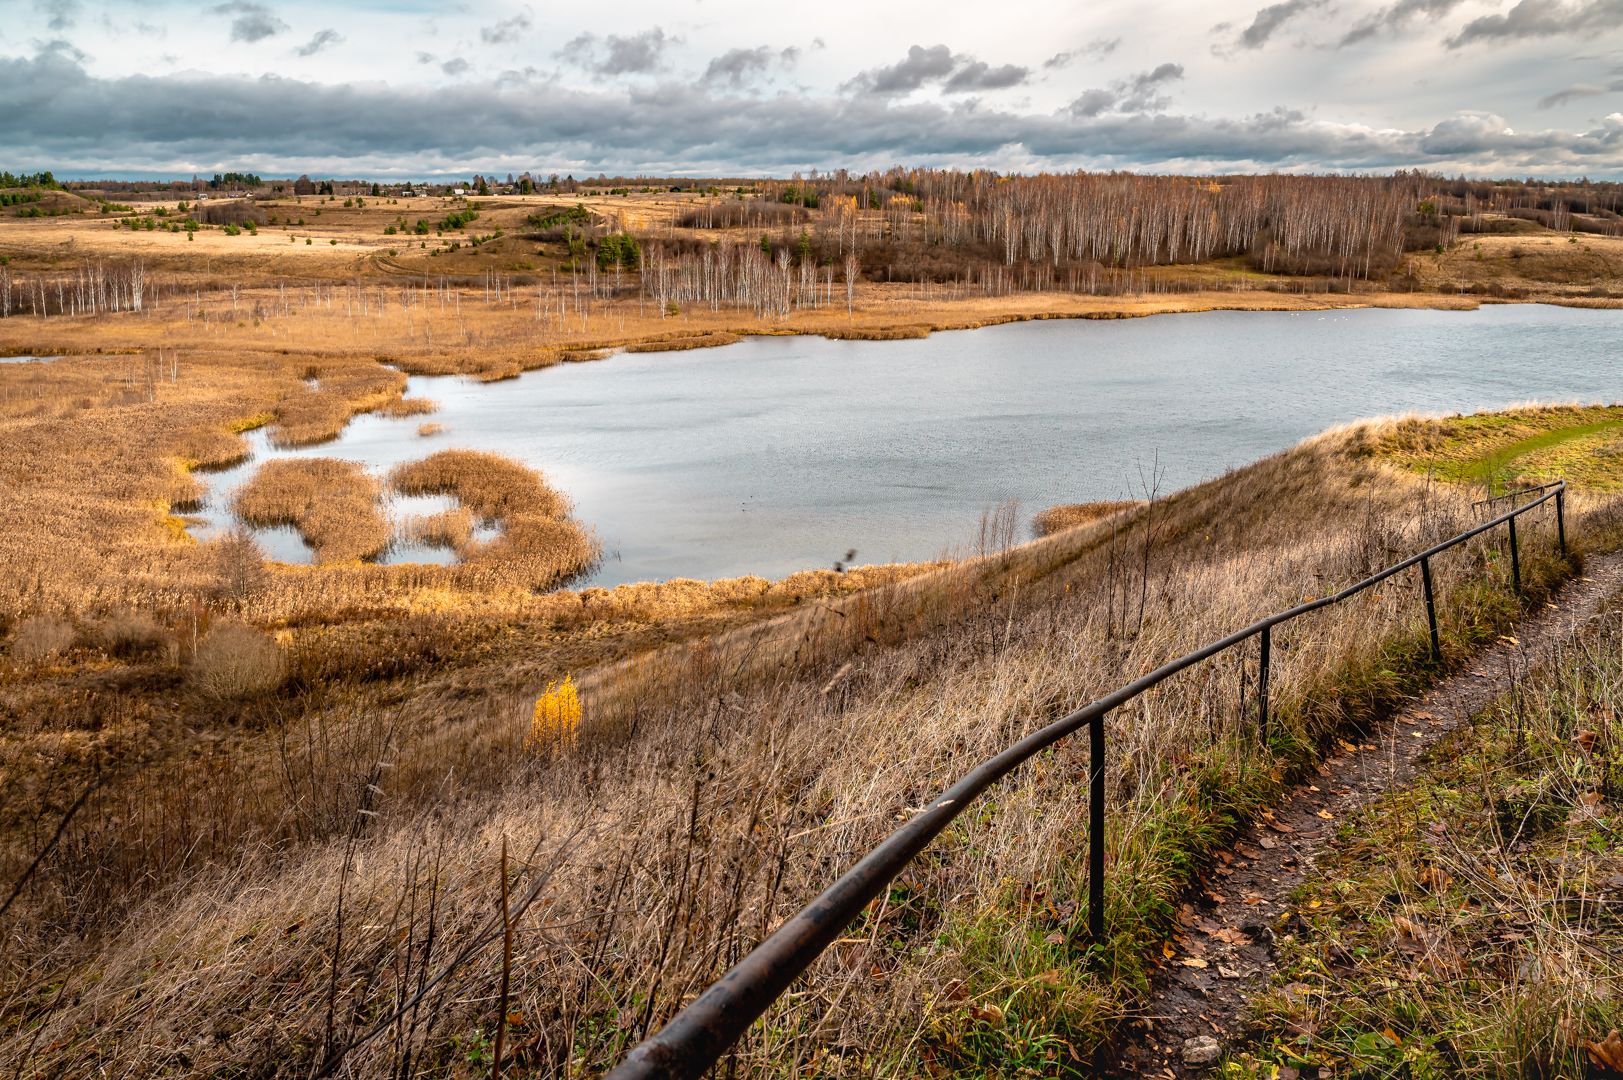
pixel 781 453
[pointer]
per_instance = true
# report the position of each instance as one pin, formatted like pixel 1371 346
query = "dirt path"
pixel 1197 1005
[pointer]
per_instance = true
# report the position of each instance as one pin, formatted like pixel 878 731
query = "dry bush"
pixel 1070 515
pixel 236 661
pixel 239 567
pixel 131 635
pixel 333 504
pixel 40 638
pixel 425 430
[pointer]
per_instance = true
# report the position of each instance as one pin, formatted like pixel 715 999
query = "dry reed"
pixel 717 785
pixel 333 504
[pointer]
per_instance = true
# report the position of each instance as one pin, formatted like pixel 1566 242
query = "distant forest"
pixel 1101 232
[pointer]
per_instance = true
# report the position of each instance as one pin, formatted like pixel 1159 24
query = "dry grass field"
pixel 323 871
pixel 255 812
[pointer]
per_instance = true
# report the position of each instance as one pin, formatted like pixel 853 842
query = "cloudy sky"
pixel 413 88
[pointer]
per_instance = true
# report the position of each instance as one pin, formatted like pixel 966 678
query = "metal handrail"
pixel 1491 499
pixel 693 1040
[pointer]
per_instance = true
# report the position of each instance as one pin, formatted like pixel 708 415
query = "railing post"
pixel 1515 559
pixel 1560 520
pixel 1096 830
pixel 1431 612
pixel 1262 681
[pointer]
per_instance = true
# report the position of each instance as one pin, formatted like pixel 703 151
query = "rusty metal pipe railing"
pixel 697 1036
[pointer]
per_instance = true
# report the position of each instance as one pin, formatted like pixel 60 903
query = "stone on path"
pixel 1201 1050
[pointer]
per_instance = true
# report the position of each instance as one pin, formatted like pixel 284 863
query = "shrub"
pixel 130 635
pixel 556 720
pixel 239 567
pixel 40 638
pixel 237 661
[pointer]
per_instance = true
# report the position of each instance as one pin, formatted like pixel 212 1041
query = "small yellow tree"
pixel 557 716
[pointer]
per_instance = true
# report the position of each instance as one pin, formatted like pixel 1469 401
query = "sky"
pixel 418 89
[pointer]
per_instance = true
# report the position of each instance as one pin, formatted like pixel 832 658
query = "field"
pixel 261 813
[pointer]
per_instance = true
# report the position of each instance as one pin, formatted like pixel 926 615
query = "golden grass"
pixel 333 504
pixel 1069 516
pixel 539 544
pixel 720 782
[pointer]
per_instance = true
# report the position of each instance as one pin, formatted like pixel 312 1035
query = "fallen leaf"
pixel 1049 977
pixel 1167 951
pixel 1586 740
pixel 1193 962
pixel 1435 880
pixel 1267 842
pixel 1056 938
pixel 1327 815
pixel 989 1013
pixel 1280 826
pixel 1608 1053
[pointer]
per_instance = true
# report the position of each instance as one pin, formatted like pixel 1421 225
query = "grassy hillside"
pixel 355 845
pixel 1469 924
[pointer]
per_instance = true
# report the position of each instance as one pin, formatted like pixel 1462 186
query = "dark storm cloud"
pixel 958 73
pixel 1581 90
pixel 320 40
pixel 506 31
pixel 59 116
pixel 1139 93
pixel 1097 49
pixel 252 22
pixel 1270 19
pixel 636 54
pixel 1396 17
pixel 1542 18
pixel 737 67
pixel 59 14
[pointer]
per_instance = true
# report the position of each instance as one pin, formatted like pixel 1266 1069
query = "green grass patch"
pixel 1501 450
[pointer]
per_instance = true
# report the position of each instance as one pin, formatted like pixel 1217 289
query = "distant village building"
pixel 304 186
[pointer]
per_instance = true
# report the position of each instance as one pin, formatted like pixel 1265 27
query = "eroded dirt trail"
pixel 1227 953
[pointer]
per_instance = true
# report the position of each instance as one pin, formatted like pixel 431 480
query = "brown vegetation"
pixel 230 745
pixel 1070 515
pixel 538 545
pixel 333 504
pixel 716 785
pixel 236 661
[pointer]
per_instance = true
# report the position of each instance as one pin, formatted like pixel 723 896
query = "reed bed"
pixel 539 545
pixel 714 786
pixel 1070 515
pixel 334 505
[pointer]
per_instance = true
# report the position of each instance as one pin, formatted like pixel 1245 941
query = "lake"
pixel 781 453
